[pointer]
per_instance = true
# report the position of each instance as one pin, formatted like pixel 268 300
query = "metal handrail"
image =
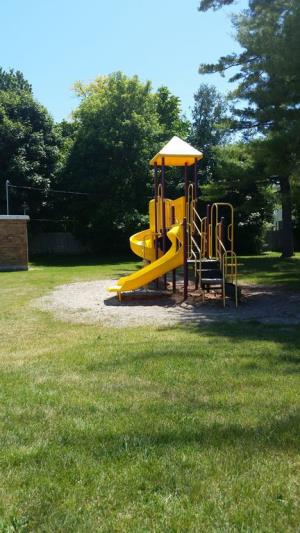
pixel 195 249
pixel 228 261
pixel 227 255
pixel 214 222
pixel 197 214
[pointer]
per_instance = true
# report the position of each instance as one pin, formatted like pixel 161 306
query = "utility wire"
pixel 48 190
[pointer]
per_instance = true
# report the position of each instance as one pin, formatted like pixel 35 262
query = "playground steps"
pixel 211 275
pixel 210 272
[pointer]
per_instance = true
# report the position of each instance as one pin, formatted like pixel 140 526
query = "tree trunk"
pixel 287 223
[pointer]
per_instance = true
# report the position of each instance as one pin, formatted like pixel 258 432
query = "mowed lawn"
pixel 132 430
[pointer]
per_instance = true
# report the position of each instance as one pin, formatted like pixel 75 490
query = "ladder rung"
pixel 211 280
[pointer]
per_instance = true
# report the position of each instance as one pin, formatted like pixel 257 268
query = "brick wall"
pixel 13 242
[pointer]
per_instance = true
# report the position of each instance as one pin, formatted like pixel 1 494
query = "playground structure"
pixel 179 237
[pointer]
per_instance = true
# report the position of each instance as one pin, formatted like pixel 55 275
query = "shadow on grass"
pixel 272 269
pixel 251 331
pixel 280 434
pixel 267 349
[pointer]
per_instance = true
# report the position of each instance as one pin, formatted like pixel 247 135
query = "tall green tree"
pixel 28 143
pixel 119 125
pixel 171 121
pixel 238 178
pixel 118 131
pixel 209 115
pixel 269 84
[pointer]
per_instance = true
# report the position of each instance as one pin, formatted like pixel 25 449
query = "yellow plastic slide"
pixel 170 260
pixel 142 244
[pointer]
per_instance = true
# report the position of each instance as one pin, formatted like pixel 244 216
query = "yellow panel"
pixel 152 215
pixel 168 214
pixel 175 160
pixel 179 205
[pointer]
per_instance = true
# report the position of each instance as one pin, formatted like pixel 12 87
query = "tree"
pixel 14 81
pixel 28 144
pixel 238 179
pixel 119 124
pixel 117 133
pixel 207 128
pixel 269 84
pixel 171 122
pixel 168 107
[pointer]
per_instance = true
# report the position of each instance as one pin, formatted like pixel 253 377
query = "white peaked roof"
pixel 177 153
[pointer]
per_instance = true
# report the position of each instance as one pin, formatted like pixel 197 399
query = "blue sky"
pixel 57 42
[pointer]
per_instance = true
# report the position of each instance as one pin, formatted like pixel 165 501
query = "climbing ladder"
pixel 210 242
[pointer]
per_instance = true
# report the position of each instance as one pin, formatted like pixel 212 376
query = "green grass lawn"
pixel 269 269
pixel 178 429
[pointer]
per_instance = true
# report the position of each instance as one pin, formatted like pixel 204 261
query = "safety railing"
pixel 196 242
pixel 228 264
pixel 204 236
pixel 213 227
pixel 189 209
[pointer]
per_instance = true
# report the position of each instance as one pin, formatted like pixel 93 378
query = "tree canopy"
pixel 269 85
pixel 120 124
pixel 28 143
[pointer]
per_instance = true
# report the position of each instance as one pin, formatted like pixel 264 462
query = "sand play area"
pixel 90 302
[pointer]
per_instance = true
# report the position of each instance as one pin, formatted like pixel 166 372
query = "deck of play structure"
pixel 179 237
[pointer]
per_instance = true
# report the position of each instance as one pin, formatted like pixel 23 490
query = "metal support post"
pixel 185 258
pixel 155 210
pixel 7 196
pixel 208 250
pixel 164 234
pixel 174 271
pixel 196 183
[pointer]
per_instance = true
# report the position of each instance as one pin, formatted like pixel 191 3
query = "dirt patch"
pixel 90 302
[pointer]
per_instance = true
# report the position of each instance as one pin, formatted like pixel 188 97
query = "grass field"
pixel 177 429
pixel 269 269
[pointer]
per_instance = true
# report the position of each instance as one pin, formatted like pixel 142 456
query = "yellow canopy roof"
pixel 176 153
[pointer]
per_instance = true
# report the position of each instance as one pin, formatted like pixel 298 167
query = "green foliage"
pixel 14 81
pixel 208 130
pixel 28 144
pixel 208 114
pixel 168 108
pixel 230 173
pixel 120 123
pixel 214 4
pixel 269 84
pixel 239 180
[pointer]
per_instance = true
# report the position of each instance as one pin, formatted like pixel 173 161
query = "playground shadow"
pixel 142 300
pixel 263 304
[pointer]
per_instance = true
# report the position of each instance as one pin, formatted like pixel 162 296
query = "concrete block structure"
pixel 13 242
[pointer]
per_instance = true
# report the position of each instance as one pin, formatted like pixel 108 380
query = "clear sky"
pixel 56 42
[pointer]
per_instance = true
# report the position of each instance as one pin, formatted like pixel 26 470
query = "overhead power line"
pixel 9 185
pixel 48 190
